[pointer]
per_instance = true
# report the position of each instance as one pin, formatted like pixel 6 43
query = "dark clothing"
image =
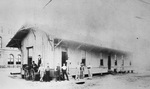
pixel 82 72
pixel 47 74
pixel 65 73
pixel 35 67
pixel 39 62
pixel 58 77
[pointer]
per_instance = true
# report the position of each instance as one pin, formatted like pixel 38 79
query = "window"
pixel 101 59
pixel 130 63
pixel 115 62
pixel 0 42
pixel 83 62
pixel 101 62
pixel 122 60
pixel 11 59
pixel 18 61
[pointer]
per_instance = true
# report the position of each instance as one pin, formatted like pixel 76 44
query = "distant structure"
pixel 9 57
pixel 37 40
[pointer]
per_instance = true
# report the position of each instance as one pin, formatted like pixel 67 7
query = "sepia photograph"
pixel 74 44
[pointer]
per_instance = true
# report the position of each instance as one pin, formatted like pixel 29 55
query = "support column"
pixel 122 63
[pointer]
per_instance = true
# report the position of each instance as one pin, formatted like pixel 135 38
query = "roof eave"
pixel 15 42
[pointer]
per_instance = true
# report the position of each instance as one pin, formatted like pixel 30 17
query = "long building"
pixel 35 40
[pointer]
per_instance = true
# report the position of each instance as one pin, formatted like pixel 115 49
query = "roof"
pixel 82 43
pixel 90 47
pixel 18 37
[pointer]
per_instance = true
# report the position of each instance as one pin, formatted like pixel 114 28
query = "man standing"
pixel 82 71
pixel 58 72
pixel 41 70
pixel 64 71
pixel 77 71
pixel 39 60
pixel 35 67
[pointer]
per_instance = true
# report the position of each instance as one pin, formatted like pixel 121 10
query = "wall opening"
pixel 101 62
pixel 109 62
pixel 29 55
pixel 83 62
pixel 64 58
pixel 18 61
pixel 115 62
pixel 83 59
pixel 11 59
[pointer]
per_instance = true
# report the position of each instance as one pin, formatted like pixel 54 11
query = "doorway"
pixel 29 55
pixel 64 58
pixel 83 61
pixel 109 63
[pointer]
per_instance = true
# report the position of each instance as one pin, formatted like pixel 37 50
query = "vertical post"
pixel 101 55
pixel 115 57
pixel 53 48
pixel 109 63
pixel 116 60
pixel 14 61
pixel 115 66
pixel 122 63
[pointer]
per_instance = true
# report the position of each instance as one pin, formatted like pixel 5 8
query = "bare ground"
pixel 119 81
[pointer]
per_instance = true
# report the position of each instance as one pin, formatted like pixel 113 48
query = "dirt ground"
pixel 119 81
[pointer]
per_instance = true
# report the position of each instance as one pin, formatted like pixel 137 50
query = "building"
pixel 35 40
pixel 9 57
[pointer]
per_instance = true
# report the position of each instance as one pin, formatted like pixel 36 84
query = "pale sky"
pixel 120 24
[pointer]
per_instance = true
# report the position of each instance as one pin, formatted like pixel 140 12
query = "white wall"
pixel 93 58
pixel 41 46
pixel 52 56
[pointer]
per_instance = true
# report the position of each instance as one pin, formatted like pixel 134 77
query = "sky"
pixel 118 24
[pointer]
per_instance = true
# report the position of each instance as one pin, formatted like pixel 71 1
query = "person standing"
pixel 58 72
pixel 39 60
pixel 64 72
pixel 35 67
pixel 41 70
pixel 89 67
pixel 82 71
pixel 68 65
pixel 47 74
pixel 77 72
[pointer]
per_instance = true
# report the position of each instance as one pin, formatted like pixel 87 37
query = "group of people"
pixel 39 68
pixel 80 71
pixel 61 73
pixel 45 72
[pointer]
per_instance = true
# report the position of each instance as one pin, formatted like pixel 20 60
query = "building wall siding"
pixel 52 56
